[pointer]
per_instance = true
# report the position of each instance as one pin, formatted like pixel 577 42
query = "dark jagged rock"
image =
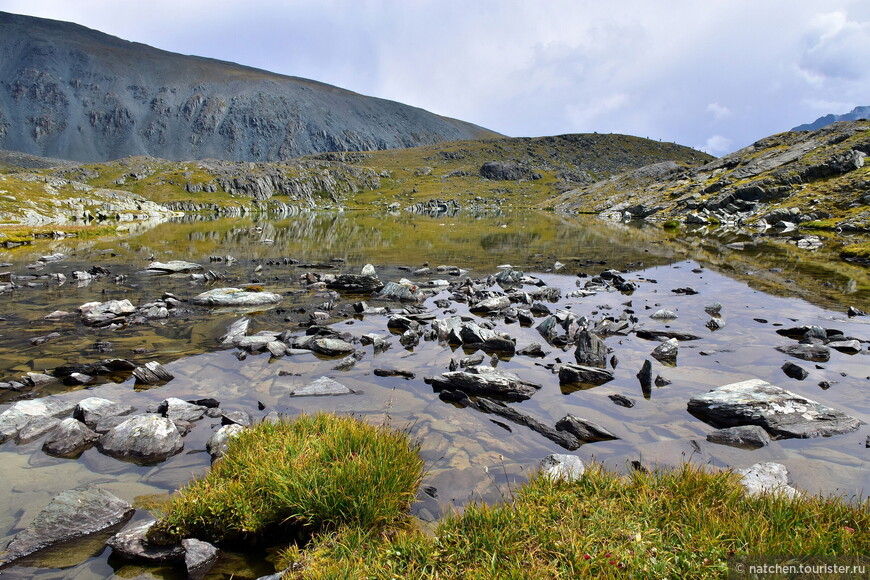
pixel 356 283
pixel 794 371
pixel 199 557
pixel 73 513
pixel 749 436
pixel 665 334
pixel 780 412
pixel 583 429
pixel 666 352
pixel 394 373
pixel 621 400
pixel 810 352
pixel 478 380
pixel 591 350
pixel 505 171
pixel 69 438
pixel 570 374
pixel 644 375
pixel 566 440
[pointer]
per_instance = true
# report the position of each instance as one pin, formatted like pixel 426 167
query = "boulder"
pixel 91 410
pixel 132 543
pixel 356 283
pixel 562 467
pixel 235 297
pixel 179 410
pixel 489 306
pixel 322 386
pixel 591 350
pixel 152 373
pixel 104 313
pixel 766 478
pixel 69 438
pixel 810 352
pixel 666 352
pixel 331 346
pixel 219 442
pixel 578 374
pixel 749 436
pixel 199 557
pixel 478 380
pixel 145 438
pixel 16 417
pixel 73 513
pixel 583 429
pixel 782 413
pixel 664 315
pixel 794 371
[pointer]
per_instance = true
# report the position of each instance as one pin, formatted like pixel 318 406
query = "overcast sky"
pixel 711 74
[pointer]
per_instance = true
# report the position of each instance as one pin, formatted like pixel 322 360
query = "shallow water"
pixel 468 455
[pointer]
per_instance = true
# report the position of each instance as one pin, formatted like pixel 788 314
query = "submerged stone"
pixel 782 413
pixel 749 436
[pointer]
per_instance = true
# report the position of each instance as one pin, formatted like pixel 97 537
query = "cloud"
pixel 716 145
pixel 719 111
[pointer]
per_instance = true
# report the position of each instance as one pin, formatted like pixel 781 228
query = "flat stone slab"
pixel 14 419
pixel 747 436
pixel 322 386
pixel 132 543
pixel 173 267
pixel 73 513
pixel 782 413
pixel 235 297
pixel 487 381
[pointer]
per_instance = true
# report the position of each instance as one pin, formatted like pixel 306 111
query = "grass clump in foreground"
pixel 310 474
pixel 682 523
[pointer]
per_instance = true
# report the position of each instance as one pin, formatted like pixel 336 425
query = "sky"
pixel 716 75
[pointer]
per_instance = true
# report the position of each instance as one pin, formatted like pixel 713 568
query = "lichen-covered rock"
pixel 766 478
pixel 562 467
pixel 781 413
pixel 145 438
pixel 235 297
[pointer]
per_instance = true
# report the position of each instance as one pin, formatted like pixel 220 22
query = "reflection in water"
pixel 469 455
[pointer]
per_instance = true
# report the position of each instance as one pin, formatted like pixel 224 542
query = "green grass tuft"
pixel 309 474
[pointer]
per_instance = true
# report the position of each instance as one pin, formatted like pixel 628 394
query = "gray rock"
pixel 173 267
pixel 132 543
pixel 667 351
pixel 583 429
pixel 794 371
pixel 666 334
pixel 235 297
pixel 199 557
pixel 355 283
pixel 767 477
pixel 492 305
pixel 219 442
pixel 235 331
pixel 534 350
pixel 331 346
pixel 479 380
pixel 664 315
pixel 400 292
pixel 257 342
pixel 69 438
pixel 104 313
pixel 73 513
pixel 713 309
pixel 846 346
pixel 144 438
pixel 320 387
pixel 16 417
pixel 91 410
pixel 810 352
pixel 276 348
pixel 152 373
pixel 591 350
pixel 237 417
pixel 644 375
pixel 176 409
pixel 36 428
pixel 749 436
pixel 782 413
pixel 570 374
pixel 562 467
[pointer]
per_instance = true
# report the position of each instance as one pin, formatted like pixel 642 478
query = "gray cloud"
pixel 717 74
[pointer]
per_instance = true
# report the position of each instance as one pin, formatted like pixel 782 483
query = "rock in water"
pixel 173 267
pixel 749 436
pixel 132 543
pixel 152 373
pixel 667 351
pixel 583 429
pixel 591 350
pixel 810 352
pixel 73 513
pixel 477 380
pixel 782 413
pixel 219 442
pixel 69 438
pixel 322 386
pixel 199 557
pixel 570 374
pixel 147 438
pixel 235 297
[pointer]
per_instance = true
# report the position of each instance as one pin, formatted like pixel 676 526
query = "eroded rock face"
pixel 145 438
pixel 781 413
pixel 73 513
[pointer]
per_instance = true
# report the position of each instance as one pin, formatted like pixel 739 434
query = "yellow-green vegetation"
pixel 310 474
pixel 860 251
pixel 682 523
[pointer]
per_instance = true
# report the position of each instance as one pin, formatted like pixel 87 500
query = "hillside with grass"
pixel 814 178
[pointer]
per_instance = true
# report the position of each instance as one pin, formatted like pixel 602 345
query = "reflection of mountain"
pixel 75 93
pixel 502 241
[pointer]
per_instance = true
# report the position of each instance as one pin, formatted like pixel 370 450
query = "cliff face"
pixel 74 93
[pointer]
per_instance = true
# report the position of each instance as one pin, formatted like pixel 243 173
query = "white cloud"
pixel 719 111
pixel 716 145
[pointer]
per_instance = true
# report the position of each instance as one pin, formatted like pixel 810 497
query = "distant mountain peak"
pixel 854 115
pixel 70 92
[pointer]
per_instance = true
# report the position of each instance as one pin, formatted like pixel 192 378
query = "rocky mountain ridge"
pixel 855 114
pixel 73 93
pixel 783 180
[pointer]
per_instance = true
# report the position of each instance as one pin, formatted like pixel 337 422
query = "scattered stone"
pixel 810 352
pixel 490 306
pixel 219 442
pixel 664 315
pixel 715 324
pixel 583 429
pixel 665 334
pixel 622 401
pixel 73 513
pixel 238 417
pixel 356 283
pixel 666 352
pixel 534 350
pixel 235 331
pixel 400 292
pixel 748 436
pixel 846 346
pixel 235 297
pixel 478 380
pixel 331 346
pixel 91 410
pixel 69 438
pixel 591 350
pixel 661 381
pixel 320 387
pixel 173 267
pixel 152 373
pixel 561 467
pixel 855 312
pixel 794 371
pixel 144 438
pixel 132 543
pixel 570 374
pixel 782 413
pixel 407 375
pixel 176 410
pixel 644 375
pixel 105 313
pixel 199 557
pixel 14 419
pixel 767 478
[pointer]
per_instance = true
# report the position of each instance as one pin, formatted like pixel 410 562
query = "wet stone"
pixel 621 400
pixel 810 352
pixel 747 436
pixel 69 438
pixel 132 543
pixel 199 557
pixel 91 410
pixel 583 429
pixel 794 371
pixel 320 387
pixel 145 438
pixel 479 380
pixel 580 374
pixel 666 352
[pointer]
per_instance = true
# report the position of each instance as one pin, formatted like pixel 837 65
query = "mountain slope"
pixel 855 114
pixel 73 93
pixel 792 177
